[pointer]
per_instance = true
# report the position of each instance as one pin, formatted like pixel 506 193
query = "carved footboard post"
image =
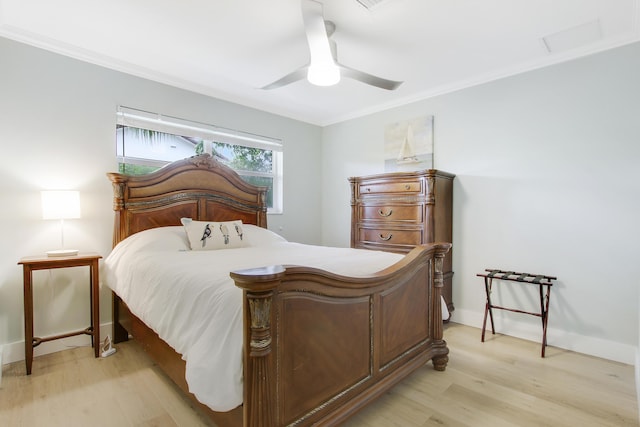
pixel 440 361
pixel 259 370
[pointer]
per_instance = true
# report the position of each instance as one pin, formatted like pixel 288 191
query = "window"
pixel 147 141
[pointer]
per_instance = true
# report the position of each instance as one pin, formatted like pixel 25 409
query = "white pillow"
pixel 170 238
pixel 258 236
pixel 208 235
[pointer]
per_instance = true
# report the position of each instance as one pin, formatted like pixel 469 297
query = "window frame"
pixel 135 118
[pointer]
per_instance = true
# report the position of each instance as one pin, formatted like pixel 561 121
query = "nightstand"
pixel 30 264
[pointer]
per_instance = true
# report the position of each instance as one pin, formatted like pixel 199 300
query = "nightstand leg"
pixel 95 307
pixel 28 318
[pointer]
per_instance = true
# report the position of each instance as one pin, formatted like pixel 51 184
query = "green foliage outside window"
pixel 245 159
pixel 131 169
pixel 241 158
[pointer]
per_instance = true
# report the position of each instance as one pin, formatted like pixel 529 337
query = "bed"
pixel 317 342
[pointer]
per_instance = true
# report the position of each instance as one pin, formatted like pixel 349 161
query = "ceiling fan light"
pixel 323 74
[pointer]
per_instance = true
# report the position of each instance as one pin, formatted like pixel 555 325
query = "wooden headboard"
pixel 199 187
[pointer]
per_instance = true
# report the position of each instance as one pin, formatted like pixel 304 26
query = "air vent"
pixel 370 4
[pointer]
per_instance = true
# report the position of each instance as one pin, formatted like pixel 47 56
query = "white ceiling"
pixel 230 48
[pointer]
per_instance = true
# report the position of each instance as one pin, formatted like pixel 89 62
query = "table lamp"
pixel 61 204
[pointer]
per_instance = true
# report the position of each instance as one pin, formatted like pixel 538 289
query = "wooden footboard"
pixel 319 346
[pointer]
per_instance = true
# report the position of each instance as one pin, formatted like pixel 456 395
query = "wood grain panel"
pixel 403 312
pixel 224 212
pixel 162 216
pixel 317 331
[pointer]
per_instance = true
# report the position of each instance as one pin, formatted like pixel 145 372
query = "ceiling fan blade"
pixel 369 79
pixel 299 74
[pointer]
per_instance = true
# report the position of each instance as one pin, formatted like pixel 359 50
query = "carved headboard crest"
pixel 199 187
pixel 204 160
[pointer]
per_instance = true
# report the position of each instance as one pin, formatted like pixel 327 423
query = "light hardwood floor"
pixel 502 382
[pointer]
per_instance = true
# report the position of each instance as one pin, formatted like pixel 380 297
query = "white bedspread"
pixel 189 300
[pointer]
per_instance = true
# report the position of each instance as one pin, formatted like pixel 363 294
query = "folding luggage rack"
pixel 535 279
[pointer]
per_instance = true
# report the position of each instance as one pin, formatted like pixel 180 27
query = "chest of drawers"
pixel 397 211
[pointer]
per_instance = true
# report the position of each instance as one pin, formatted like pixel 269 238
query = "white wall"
pixel 547 182
pixel 57 130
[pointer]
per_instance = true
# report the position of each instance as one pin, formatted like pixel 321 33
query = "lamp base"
pixel 63 252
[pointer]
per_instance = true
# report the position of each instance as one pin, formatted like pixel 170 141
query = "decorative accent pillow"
pixel 208 235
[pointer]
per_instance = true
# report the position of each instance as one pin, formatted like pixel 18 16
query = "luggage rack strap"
pixel 538 279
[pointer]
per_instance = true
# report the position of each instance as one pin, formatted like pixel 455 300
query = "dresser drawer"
pixel 413 186
pixel 391 212
pixel 390 236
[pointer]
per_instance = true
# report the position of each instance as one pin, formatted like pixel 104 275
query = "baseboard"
pixel 14 352
pixel 597 347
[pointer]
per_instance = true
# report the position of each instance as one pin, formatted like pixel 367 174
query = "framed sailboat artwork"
pixel 408 145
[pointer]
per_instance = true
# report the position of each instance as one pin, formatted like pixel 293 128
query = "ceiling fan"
pixel 324 68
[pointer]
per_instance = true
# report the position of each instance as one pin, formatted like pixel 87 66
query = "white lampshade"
pixel 60 204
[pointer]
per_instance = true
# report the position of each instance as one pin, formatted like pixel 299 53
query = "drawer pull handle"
pixel 407 187
pixel 368 189
pixel 385 214
pixel 386 238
